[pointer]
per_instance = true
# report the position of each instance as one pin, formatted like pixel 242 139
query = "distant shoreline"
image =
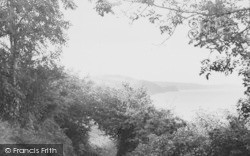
pixel 154 87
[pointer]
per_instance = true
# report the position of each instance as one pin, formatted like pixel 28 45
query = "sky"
pixel 111 45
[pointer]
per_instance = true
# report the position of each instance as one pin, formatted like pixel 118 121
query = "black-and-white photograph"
pixel 125 77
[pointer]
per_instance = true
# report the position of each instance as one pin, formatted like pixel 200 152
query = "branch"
pixel 234 11
pixel 201 13
pixel 169 36
pixel 179 10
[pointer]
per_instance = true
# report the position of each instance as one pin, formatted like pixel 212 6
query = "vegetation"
pixel 221 26
pixel 42 103
pixel 128 116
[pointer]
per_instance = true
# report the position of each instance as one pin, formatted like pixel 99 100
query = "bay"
pixel 187 103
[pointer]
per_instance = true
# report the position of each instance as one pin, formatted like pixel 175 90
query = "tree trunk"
pixel 14 64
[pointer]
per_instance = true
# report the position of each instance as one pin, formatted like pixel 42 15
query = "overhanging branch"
pixel 200 13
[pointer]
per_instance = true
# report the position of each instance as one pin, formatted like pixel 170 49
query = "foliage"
pixel 48 133
pixel 42 103
pixel 221 26
pixel 62 118
pixel 73 112
pixel 27 29
pixel 50 106
pixel 127 115
pixel 185 141
pixel 230 139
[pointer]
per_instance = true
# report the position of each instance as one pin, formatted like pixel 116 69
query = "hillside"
pixel 152 87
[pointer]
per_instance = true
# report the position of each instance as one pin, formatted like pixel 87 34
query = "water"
pixel 187 103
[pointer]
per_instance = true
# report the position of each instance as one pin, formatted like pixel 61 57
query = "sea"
pixel 189 104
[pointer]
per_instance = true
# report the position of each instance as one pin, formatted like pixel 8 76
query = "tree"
pixel 116 113
pixel 222 26
pixel 128 116
pixel 185 141
pixel 28 28
pixel 48 105
pixel 74 97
